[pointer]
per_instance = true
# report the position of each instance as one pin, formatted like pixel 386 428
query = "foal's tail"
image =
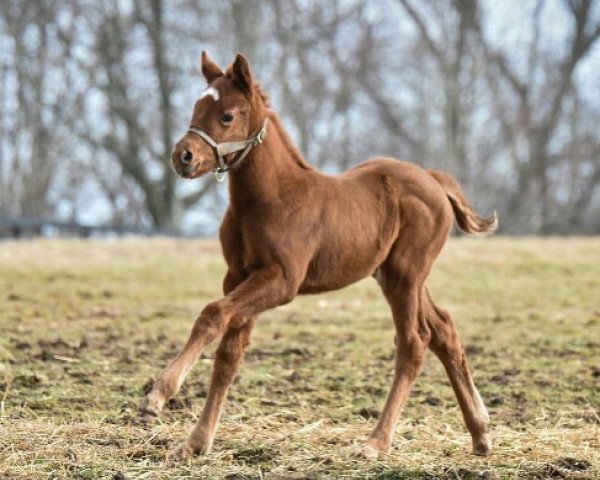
pixel 466 217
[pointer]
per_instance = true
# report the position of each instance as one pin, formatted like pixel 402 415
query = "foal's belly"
pixel 340 263
pixel 323 276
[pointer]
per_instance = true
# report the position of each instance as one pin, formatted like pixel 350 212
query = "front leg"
pixel 211 323
pixel 263 289
pixel 228 361
pixel 172 377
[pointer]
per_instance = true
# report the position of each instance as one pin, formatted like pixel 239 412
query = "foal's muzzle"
pixel 186 159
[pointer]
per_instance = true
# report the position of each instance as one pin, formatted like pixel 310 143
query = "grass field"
pixel 86 324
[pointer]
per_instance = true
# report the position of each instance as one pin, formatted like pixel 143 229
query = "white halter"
pixel 227 148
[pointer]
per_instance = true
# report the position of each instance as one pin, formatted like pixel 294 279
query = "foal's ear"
pixel 210 69
pixel 242 73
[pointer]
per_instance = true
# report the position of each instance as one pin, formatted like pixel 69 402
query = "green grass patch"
pixel 86 324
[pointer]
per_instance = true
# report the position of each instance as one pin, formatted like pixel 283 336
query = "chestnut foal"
pixel 292 230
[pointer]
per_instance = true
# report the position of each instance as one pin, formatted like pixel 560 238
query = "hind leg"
pixel 402 277
pixel 445 343
pixel 412 338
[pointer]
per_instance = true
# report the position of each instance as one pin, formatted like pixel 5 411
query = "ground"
pixel 86 325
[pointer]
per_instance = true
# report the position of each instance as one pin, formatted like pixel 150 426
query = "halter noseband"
pixel 227 148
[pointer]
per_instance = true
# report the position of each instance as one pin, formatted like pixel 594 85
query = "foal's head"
pixel 230 109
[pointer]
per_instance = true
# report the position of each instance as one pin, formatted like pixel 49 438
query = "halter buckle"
pixel 261 136
pixel 220 174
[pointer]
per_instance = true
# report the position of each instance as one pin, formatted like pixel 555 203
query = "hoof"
pixel 183 453
pixel 146 417
pixel 149 410
pixel 374 449
pixel 483 446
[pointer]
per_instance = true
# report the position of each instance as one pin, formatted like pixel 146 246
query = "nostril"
pixel 186 156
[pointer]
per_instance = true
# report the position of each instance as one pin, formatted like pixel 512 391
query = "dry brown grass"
pixel 87 323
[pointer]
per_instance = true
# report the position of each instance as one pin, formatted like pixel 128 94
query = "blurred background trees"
pixel 504 95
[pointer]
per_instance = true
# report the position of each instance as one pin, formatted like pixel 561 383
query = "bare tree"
pixel 531 110
pixel 35 106
pixel 142 143
pixel 94 94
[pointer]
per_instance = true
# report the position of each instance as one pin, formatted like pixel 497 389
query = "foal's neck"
pixel 268 170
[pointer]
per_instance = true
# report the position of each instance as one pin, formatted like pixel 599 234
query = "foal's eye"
pixel 227 118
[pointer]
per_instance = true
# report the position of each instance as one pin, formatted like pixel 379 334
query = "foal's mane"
pixel 285 138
